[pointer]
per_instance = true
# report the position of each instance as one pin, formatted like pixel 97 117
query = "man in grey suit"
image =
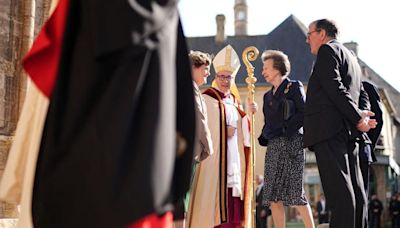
pixel 333 122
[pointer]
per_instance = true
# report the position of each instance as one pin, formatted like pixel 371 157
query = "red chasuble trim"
pixel 42 60
pixel 154 221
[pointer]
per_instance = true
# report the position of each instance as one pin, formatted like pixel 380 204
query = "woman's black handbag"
pixel 262 140
pixel 289 107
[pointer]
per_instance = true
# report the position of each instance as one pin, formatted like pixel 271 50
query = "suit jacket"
pixel 259 195
pixel 375 103
pixel 371 137
pixel 259 199
pixel 333 93
pixel 203 132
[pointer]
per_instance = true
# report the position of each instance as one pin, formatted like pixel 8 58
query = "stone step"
pixel 8 223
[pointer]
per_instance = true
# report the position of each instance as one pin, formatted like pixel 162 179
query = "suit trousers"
pixel 365 165
pixel 341 178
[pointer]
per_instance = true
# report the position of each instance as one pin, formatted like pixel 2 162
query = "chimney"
pixel 220 37
pixel 365 73
pixel 352 46
pixel 240 10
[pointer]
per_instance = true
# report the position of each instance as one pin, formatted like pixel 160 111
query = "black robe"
pixel 108 151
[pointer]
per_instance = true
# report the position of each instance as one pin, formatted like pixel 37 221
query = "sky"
pixel 372 24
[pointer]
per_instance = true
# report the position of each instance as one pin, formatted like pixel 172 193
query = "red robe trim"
pixel 41 62
pixel 218 95
pixel 153 220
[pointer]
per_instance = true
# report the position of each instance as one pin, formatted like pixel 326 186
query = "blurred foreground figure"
pixel 112 146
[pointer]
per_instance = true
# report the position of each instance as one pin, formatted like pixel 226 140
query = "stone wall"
pixel 382 189
pixel 6 209
pixel 20 21
pixel 10 41
pixel 8 223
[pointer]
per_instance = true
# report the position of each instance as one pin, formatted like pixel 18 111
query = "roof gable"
pixel 289 37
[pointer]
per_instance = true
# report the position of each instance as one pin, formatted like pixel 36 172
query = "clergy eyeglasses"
pixel 309 33
pixel 225 77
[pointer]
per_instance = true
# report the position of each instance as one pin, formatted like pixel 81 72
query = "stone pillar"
pixel 7 210
pixel 381 189
pixel 10 41
pixel 17 24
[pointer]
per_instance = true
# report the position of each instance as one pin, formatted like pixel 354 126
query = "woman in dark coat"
pixel 284 160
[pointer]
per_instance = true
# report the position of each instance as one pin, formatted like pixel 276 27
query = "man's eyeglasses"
pixel 225 77
pixel 309 33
